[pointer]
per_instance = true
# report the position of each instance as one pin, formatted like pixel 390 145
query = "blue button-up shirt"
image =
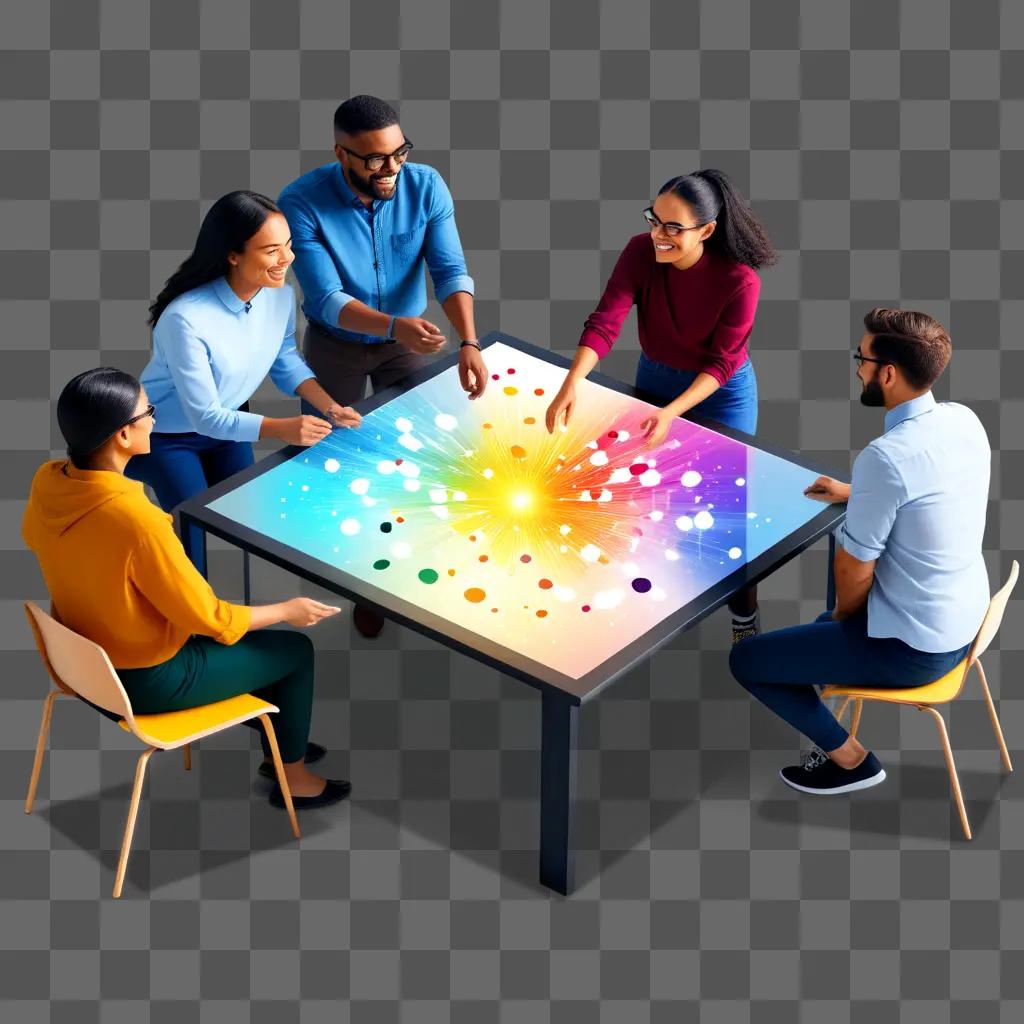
pixel 345 250
pixel 210 356
pixel 917 504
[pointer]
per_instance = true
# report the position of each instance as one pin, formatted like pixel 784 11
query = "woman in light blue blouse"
pixel 224 320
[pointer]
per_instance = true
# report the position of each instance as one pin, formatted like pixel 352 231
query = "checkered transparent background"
pixel 883 144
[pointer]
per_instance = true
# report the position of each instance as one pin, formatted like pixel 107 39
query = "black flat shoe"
pixel 314 753
pixel 333 792
pixel 368 623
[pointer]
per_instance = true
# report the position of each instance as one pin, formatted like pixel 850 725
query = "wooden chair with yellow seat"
pixel 942 691
pixel 81 668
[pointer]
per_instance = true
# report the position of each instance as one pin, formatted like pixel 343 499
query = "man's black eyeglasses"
pixel 671 228
pixel 858 359
pixel 375 161
pixel 150 411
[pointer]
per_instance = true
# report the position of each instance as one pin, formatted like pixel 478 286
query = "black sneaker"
pixel 817 773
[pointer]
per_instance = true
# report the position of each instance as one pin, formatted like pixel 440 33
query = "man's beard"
pixel 366 186
pixel 872 395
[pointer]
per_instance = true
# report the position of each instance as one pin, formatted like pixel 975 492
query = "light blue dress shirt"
pixel 917 504
pixel 345 250
pixel 210 356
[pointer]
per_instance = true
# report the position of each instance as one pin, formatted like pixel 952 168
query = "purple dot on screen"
pixel 641 585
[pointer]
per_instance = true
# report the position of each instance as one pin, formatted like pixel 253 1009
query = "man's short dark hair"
pixel 915 342
pixel 364 114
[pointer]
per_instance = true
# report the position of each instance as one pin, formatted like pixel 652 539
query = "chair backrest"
pixel 77 664
pixel 993 617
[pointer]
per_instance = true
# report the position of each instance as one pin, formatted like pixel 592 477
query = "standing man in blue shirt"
pixel 911 583
pixel 363 227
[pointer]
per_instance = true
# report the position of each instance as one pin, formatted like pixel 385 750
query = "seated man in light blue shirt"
pixel 363 227
pixel 911 583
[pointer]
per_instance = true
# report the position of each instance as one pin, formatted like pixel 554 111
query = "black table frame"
pixel 561 696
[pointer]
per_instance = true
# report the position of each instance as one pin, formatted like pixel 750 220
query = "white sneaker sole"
pixel 874 780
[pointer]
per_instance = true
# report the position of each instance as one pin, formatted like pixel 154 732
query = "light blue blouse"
pixel 211 353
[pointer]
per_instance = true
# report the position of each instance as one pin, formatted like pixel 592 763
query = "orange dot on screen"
pixel 517 451
pixel 451 572
pixel 545 584
pixel 483 558
pixel 399 519
pixel 474 595
pixel 529 421
pixel 541 614
pixel 488 426
pixel 538 392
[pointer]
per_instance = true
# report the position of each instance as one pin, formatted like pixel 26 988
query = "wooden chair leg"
pixel 996 728
pixel 954 780
pixel 133 811
pixel 37 764
pixel 286 792
pixel 188 756
pixel 858 706
pixel 841 708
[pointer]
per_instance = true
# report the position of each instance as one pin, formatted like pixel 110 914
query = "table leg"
pixel 560 718
pixel 830 591
pixel 193 541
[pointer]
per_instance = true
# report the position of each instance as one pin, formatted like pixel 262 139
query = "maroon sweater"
pixel 697 319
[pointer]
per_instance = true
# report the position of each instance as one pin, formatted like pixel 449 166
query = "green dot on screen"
pixel 428 576
pixel 381 563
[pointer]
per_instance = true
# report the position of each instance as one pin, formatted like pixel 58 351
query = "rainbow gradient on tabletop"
pixel 565 547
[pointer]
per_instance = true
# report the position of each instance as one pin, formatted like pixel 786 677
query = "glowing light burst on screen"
pixel 565 546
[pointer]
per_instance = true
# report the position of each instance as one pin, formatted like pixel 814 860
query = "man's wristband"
pixel 473 344
pixel 389 335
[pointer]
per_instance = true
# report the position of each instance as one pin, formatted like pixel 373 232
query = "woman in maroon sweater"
pixel 693 279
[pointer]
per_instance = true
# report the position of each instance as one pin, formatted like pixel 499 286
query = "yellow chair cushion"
pixel 939 692
pixel 175 728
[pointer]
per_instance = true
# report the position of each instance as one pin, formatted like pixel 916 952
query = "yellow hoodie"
pixel 115 569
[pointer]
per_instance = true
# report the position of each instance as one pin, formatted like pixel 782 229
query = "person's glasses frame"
pixel 150 411
pixel 671 228
pixel 375 161
pixel 858 359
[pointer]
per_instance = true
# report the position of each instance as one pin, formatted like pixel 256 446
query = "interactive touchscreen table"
pixel 561 560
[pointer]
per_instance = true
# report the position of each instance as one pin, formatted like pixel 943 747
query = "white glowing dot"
pixel 657 594
pixel 386 467
pixel 332 465
pixel 562 548
pixel 657 515
pixel 403 425
pixel 740 481
pixel 690 478
pixel 684 523
pixel 606 599
pixel 605 495
pixel 488 474
pixel 565 529
pixel 767 519
pixel 441 511
pixel 650 479
pixel 623 435
pixel 620 476
pixel 414 444
pixel 349 527
pixel 284 500
pixel 283 515
pixel 401 550
pixel 599 459
pixel 591 444
pixel 305 487
pixel 735 552
pixel 445 421
pixel 368 501
pixel 409 469
pixel 564 593
pixel 703 520
pixel 411 485
pixel 459 496
pixel 671 554
pixel 334 511
pixel 751 515
pixel 590 553
pixel 359 486
pixel 438 494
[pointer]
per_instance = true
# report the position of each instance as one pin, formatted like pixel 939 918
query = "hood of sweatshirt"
pixel 62 495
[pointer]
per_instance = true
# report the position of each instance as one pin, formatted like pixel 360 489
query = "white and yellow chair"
pixel 80 668
pixel 942 691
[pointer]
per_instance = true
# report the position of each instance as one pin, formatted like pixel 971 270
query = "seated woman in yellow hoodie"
pixel 117 574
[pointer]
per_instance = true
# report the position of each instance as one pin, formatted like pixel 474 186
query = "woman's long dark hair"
pixel 738 233
pixel 93 407
pixel 228 225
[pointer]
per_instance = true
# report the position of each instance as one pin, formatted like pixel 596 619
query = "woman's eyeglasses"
pixel 150 411
pixel 670 227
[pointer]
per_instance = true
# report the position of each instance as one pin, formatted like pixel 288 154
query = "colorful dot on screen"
pixel 488 426
pixel 427 575
pixel 541 614
pixel 529 421
pixel 641 585
pixel 638 468
pixel 381 563
pixel 586 608
pixel 511 369
pixel 451 572
pixel 545 584
pixel 472 537
pixel 483 558
pixel 385 527
pixel 538 392
pixel 517 451
pixel 399 519
pixel 398 462
pixel 511 391
pixel 474 595
pixel 525 558
pixel 495 376
pixel 494 609
pixel 613 434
